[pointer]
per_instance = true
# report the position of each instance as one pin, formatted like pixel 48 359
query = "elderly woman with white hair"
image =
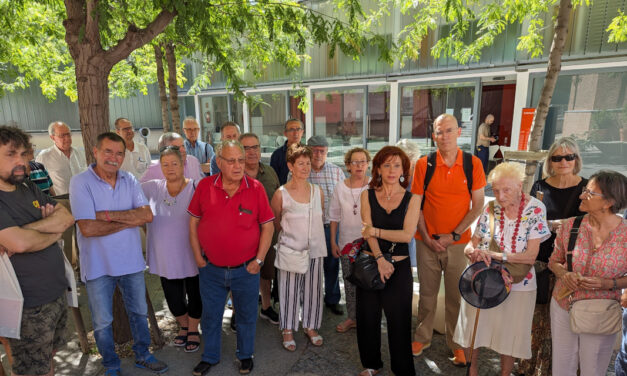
pixel 519 228
pixel 559 191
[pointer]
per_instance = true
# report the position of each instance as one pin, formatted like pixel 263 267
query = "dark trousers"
pixel 331 268
pixel 395 301
pixel 483 153
pixel 183 296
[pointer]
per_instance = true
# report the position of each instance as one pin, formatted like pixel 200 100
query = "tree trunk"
pixel 163 97
pixel 552 73
pixel 173 87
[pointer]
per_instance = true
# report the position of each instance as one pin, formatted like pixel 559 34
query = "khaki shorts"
pixel 267 270
pixel 42 333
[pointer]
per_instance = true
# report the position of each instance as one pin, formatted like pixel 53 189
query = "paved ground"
pixel 338 356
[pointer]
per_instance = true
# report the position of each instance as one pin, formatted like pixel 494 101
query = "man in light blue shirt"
pixel 109 206
pixel 201 150
pixel 229 132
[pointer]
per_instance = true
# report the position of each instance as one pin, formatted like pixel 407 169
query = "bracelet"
pixel 107 216
pixel 379 236
pixel 378 257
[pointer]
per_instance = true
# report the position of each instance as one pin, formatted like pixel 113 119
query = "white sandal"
pixel 371 372
pixel 315 340
pixel 288 345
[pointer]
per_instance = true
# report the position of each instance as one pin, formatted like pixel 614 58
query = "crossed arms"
pixel 109 222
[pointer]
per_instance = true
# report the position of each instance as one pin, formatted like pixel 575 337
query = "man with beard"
pixel 30 224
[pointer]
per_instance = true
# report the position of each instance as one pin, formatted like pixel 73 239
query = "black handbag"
pixel 364 271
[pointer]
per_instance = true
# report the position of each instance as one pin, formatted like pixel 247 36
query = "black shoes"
pixel 270 315
pixel 245 366
pixel 201 369
pixel 233 325
pixel 335 308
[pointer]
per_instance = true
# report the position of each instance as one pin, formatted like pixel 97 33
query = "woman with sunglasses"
pixel 598 272
pixel 168 251
pixel 559 191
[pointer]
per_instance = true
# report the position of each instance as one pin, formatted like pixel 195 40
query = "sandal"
pixel 369 372
pixel 345 326
pixel 192 346
pixel 315 340
pixel 289 345
pixel 182 340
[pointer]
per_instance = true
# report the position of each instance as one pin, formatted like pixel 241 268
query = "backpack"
pixel 431 162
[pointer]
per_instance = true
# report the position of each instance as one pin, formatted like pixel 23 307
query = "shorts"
pixel 43 332
pixel 267 270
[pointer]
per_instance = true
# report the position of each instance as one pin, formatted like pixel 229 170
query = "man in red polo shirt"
pixel 443 231
pixel 230 233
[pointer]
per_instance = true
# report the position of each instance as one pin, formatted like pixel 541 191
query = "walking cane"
pixel 472 341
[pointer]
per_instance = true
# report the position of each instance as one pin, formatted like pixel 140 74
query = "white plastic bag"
pixel 11 300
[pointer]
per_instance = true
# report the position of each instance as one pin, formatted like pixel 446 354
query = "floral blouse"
pixel 533 225
pixel 608 261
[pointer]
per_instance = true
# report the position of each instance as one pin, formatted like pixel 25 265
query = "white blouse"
pixel 346 210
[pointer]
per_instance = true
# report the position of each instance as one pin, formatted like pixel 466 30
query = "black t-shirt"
pixel 41 274
pixel 560 203
pixel 393 221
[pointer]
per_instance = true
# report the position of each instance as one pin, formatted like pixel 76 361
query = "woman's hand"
pixel 478 255
pixel 592 283
pixel 200 262
pixel 335 250
pixel 385 269
pixel 571 280
pixel 367 231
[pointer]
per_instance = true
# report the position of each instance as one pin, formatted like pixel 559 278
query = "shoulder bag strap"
pixel 571 242
pixel 431 162
pixel 468 170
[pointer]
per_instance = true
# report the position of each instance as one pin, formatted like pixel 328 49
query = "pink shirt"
pixel 608 261
pixel 191 170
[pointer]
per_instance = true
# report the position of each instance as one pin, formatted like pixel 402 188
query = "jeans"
pixel 215 283
pixel 483 153
pixel 331 268
pixel 100 296
pixel 621 359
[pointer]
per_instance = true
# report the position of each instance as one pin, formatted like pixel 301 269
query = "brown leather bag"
pixel 517 271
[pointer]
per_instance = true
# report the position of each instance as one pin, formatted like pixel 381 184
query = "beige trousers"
pixel 431 265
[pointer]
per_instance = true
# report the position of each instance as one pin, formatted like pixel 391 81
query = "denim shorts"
pixel 43 332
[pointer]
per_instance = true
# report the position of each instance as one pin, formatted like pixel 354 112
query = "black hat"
pixel 485 286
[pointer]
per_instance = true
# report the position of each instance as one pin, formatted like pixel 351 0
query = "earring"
pixel 379 178
pixel 401 179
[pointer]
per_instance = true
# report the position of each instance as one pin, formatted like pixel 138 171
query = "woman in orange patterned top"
pixel 599 263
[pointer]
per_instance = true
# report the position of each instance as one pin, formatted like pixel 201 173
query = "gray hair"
pixel 613 185
pixel 230 124
pixel 248 134
pixel 190 119
pixel 55 124
pixel 228 144
pixel 410 148
pixel 566 143
pixel 167 138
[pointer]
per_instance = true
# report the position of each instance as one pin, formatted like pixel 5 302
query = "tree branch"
pixel 92 31
pixel 137 38
pixel 72 24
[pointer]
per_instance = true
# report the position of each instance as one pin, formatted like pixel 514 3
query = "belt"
pixel 245 263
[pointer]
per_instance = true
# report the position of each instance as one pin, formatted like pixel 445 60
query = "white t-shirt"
pixel 345 208
pixel 61 168
pixel 137 161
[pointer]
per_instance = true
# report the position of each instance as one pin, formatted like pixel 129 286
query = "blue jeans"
pixel 215 284
pixel 100 296
pixel 483 153
pixel 621 359
pixel 331 268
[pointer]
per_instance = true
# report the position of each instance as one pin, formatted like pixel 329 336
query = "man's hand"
pixel 434 245
pixel 253 267
pixel 335 250
pixel 445 240
pixel 4 250
pixel 46 210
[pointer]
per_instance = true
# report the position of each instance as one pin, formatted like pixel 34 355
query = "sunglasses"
pixel 169 147
pixel 568 157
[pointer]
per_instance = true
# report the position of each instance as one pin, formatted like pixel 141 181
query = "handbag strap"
pixel 571 242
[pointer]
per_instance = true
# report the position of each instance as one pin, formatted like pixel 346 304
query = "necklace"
pixel 168 202
pixel 355 200
pixel 521 206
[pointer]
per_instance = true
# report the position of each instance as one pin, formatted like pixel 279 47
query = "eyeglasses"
pixel 127 129
pixel 358 163
pixel 232 161
pixel 590 193
pixel 169 147
pixel 568 157
pixel 252 147
pixel 293 130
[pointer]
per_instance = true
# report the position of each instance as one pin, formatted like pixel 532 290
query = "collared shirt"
pixel 40 176
pixel 115 254
pixel 201 150
pixel 278 161
pixel 60 167
pixel 214 165
pixel 229 227
pixel 447 200
pixel 327 178
pixel 191 170
pixel 137 161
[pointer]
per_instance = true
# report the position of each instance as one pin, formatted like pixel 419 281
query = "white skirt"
pixel 505 328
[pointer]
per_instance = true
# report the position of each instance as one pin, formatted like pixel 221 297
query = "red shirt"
pixel 447 200
pixel 229 227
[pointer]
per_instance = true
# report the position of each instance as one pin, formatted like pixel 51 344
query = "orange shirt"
pixel 447 199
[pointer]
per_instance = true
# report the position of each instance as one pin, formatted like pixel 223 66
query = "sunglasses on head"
pixel 568 157
pixel 169 147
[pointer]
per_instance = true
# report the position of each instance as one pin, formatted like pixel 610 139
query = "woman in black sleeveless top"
pixel 390 216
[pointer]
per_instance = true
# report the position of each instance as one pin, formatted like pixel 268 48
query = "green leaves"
pixel 618 28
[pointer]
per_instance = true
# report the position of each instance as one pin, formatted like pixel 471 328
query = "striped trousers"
pixel 301 290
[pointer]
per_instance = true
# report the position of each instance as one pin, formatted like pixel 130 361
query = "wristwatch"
pixel 456 236
pixel 260 262
pixel 504 257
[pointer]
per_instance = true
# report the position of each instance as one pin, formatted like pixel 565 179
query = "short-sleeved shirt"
pixel 229 227
pixel 191 170
pixel 41 274
pixel 268 178
pixel 533 225
pixel 327 178
pixel 60 167
pixel 137 161
pixel 608 261
pixel 484 130
pixel 39 176
pixel 278 161
pixel 345 208
pixel 447 200
pixel 201 150
pixel 214 165
pixel 115 254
